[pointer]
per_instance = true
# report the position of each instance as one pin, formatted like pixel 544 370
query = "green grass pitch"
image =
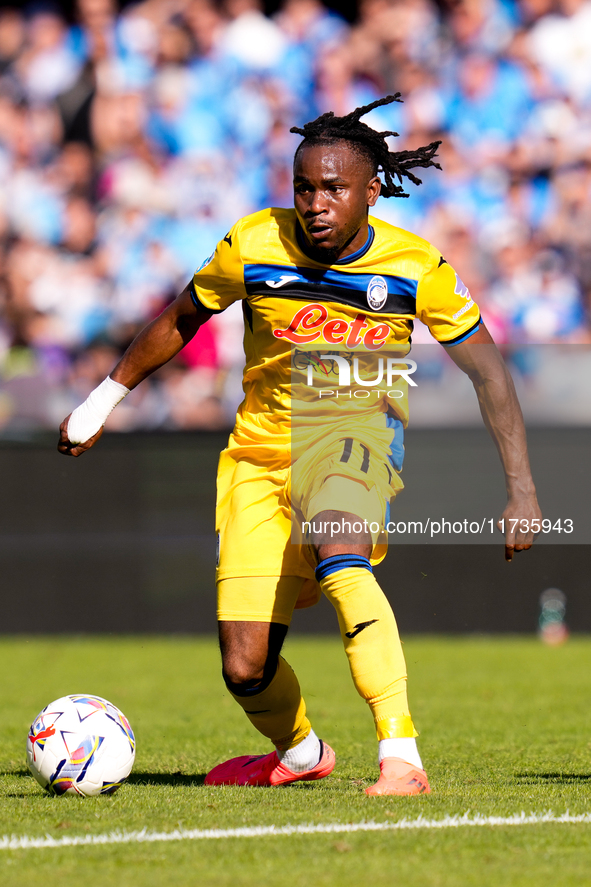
pixel 504 723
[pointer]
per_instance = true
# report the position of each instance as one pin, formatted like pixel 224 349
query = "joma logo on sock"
pixel 359 627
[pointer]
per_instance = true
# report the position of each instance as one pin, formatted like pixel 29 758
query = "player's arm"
pixel 152 348
pixel 160 341
pixel 480 359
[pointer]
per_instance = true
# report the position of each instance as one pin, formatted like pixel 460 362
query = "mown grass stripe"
pixel 145 837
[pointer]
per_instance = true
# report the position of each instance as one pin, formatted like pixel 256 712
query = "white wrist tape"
pixel 86 419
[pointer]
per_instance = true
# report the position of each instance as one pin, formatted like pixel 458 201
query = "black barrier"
pixel 121 539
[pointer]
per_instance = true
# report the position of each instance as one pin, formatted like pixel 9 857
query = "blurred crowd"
pixel 132 138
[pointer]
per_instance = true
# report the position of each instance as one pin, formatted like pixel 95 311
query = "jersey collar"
pixel 347 259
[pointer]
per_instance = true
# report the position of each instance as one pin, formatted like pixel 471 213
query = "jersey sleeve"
pixel 219 281
pixel 445 305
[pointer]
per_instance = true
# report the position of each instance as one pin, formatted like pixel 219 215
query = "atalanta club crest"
pixel 377 293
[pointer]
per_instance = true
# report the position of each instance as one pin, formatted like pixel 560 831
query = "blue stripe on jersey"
pixel 279 274
pixel 463 336
pixel 329 285
pixel 396 456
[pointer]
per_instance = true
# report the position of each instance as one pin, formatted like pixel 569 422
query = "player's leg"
pixel 262 682
pixel 250 653
pixel 265 686
pixel 254 612
pixel 372 644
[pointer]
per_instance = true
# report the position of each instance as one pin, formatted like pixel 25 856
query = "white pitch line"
pixel 13 842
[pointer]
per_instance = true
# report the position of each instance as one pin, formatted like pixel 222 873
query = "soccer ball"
pixel 80 745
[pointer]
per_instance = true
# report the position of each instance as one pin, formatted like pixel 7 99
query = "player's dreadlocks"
pixel 372 144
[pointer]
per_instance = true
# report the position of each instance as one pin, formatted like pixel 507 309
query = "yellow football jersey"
pixel 296 310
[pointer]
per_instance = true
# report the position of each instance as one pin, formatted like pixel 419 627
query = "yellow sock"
pixel 371 640
pixel 278 711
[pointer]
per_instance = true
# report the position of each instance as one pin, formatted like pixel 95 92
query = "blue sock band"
pixel 341 562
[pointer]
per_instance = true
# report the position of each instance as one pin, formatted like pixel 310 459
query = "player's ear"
pixel 373 190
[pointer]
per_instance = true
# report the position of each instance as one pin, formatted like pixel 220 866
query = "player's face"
pixel 333 188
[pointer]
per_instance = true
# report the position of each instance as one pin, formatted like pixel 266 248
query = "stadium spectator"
pixel 131 137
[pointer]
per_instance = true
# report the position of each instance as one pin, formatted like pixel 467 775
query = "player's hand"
pixel 67 448
pixel 521 522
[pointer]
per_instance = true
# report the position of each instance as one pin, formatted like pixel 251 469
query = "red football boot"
pixel 268 770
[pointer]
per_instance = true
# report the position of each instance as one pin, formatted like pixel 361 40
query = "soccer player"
pixel 327 274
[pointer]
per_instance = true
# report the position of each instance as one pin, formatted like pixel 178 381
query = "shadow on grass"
pixel 135 778
pixel 557 778
pixel 174 779
pixel 20 773
pixel 192 779
pixel 166 778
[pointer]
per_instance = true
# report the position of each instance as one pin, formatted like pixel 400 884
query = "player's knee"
pixel 245 672
pixel 339 532
pixel 250 652
pixel 242 675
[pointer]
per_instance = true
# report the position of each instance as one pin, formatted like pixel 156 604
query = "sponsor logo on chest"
pixel 311 324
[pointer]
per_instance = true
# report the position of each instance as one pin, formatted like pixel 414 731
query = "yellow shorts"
pixel 264 598
pixel 259 525
pixel 343 474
